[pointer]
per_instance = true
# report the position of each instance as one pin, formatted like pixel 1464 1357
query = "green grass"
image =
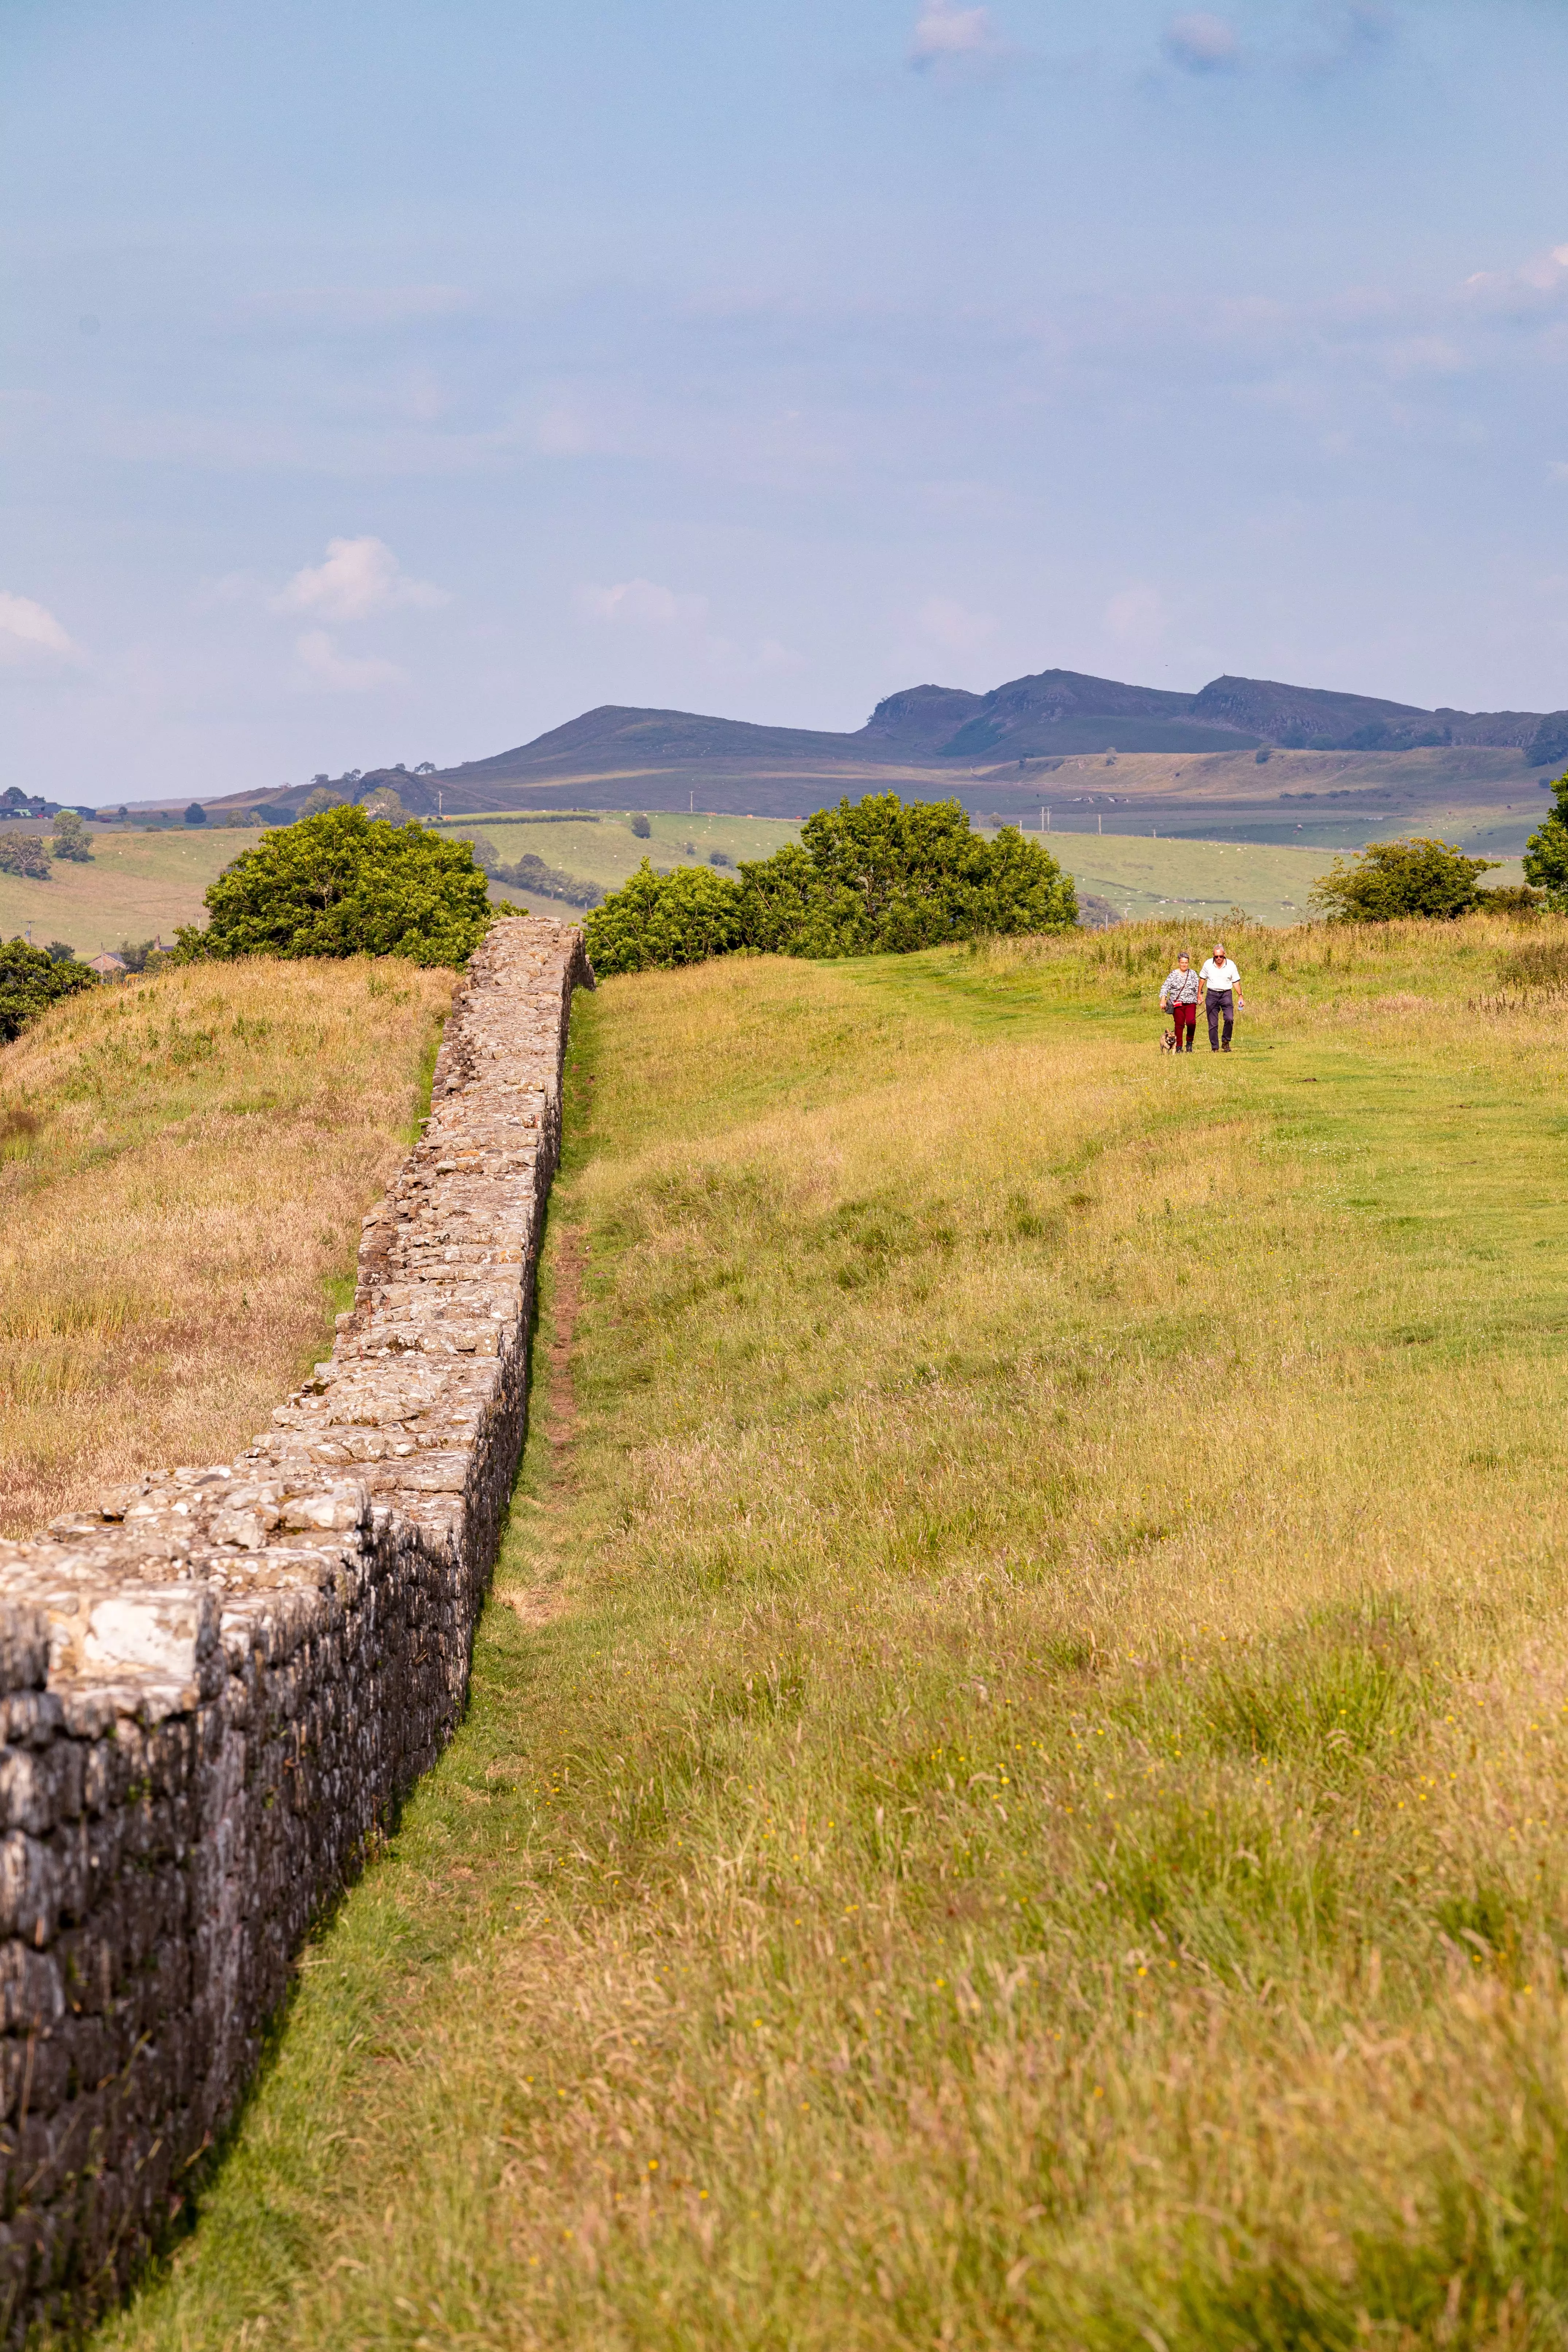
pixel 1015 1789
pixel 609 851
pixel 137 885
pixel 1197 882
pixel 1143 878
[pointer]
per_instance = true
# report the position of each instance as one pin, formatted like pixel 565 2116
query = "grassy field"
pixel 143 883
pixel 1016 1788
pixel 183 1163
pixel 1142 877
pixel 137 885
pixel 609 853
pixel 1197 882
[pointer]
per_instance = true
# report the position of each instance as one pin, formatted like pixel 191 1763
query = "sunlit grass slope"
pixel 1016 1791
pixel 184 1164
pixel 136 886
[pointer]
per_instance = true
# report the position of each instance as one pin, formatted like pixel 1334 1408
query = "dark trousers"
pixel 1220 1001
pixel 1185 1017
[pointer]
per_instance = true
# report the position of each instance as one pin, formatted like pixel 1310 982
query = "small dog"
pixel 1168 1042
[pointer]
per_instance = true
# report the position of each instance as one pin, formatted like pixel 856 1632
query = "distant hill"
pixel 934 739
pixel 1055 713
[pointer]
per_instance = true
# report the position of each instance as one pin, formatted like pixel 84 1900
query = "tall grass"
pixel 1019 1796
pixel 183 1163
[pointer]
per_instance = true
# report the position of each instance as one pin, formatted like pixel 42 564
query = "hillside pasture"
pixel 184 1161
pixel 1196 883
pixel 1143 875
pixel 1017 1786
pixel 137 885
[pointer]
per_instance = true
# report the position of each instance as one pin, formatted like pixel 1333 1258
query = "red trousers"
pixel 1185 1017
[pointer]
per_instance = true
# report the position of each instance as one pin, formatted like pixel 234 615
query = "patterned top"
pixel 1180 987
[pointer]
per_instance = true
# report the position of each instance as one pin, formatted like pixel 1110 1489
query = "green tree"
pixel 195 813
pixel 871 877
pixel 31 980
pixel 25 853
pixel 1393 878
pixel 316 803
pixel 883 875
pixel 72 839
pixel 383 802
pixel 344 884
pixel 658 921
pixel 1546 852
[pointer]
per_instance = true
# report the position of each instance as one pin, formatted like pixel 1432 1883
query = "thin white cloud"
pixel 952 626
pixel 359 577
pixel 1543 279
pixel 1557 471
pixel 1202 43
pixel 342 672
pixel 31 637
pixel 643 604
pixel 942 30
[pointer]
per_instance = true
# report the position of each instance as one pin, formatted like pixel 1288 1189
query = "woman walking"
pixel 1179 998
pixel 1220 984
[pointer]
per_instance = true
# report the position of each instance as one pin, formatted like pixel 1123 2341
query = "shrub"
pixel 72 839
pixel 31 980
pixel 345 884
pixel 24 854
pixel 658 921
pixel 867 877
pixel 195 813
pixel 1394 878
pixel 1512 898
pixel 641 827
pixel 1546 852
pixel 60 952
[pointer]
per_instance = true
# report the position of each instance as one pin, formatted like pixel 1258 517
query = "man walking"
pixel 1179 998
pixel 1220 984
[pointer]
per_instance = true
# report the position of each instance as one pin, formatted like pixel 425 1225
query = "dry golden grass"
pixel 1026 1803
pixel 184 1164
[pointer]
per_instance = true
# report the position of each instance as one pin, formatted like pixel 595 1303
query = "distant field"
pixel 143 883
pixel 1486 800
pixel 608 852
pixel 1139 875
pixel 138 884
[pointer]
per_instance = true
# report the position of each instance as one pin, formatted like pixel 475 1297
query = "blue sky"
pixel 394 383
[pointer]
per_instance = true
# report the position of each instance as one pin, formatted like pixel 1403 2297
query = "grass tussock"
pixel 183 1162
pixel 1019 1796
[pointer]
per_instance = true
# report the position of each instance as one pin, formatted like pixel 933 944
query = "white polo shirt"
pixel 1220 975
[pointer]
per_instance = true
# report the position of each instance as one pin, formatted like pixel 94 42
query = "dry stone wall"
pixel 212 1686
